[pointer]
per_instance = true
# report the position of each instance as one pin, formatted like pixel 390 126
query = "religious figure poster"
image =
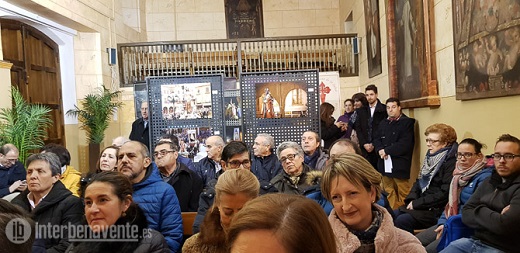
pixel 329 90
pixel 244 19
pixel 373 37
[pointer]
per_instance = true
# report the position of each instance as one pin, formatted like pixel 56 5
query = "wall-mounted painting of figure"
pixel 487 48
pixel 373 37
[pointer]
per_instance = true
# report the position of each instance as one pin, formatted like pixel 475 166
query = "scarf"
pixel 430 166
pixel 461 178
pixel 311 160
pixel 367 236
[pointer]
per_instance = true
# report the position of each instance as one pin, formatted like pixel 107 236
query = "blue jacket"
pixel 10 175
pixel 161 207
pixel 266 168
pixel 186 161
pixel 468 190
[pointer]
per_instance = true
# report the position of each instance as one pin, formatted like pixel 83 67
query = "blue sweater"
pixel 161 207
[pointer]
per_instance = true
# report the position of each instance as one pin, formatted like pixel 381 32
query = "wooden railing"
pixel 232 57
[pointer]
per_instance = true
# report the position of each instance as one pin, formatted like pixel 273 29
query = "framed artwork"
pixel 373 37
pixel 411 55
pixel 486 41
pixel 140 95
pixel 329 91
pixel 244 19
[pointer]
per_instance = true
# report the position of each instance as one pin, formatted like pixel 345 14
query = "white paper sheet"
pixel 388 164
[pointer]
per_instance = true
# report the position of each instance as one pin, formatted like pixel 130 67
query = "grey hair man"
pixel 265 164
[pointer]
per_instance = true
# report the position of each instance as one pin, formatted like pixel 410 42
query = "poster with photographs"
pixel 191 141
pixel 232 108
pixel 233 133
pixel 186 101
pixel 281 100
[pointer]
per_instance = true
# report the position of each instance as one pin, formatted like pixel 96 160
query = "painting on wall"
pixel 373 37
pixel 486 41
pixel 411 55
pixel 244 19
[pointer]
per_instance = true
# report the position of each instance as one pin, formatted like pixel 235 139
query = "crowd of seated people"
pixel 262 197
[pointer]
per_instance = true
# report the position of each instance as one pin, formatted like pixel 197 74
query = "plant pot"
pixel 93 156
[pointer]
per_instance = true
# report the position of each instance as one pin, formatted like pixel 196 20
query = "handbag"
pixel 453 230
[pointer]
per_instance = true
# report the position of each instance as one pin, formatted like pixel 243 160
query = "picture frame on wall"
pixel 244 19
pixel 486 42
pixel 373 37
pixel 411 53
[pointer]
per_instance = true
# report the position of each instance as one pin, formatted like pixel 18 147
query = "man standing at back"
pixel 394 142
pixel 314 156
pixel 157 199
pixel 494 209
pixel 12 172
pixel 367 123
pixel 140 128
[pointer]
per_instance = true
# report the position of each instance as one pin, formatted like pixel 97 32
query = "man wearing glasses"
pixel 293 178
pixel 12 172
pixel 494 209
pixel 235 155
pixel 187 184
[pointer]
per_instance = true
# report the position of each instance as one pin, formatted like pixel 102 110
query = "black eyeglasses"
pixel 163 152
pixel 236 164
pixel 432 141
pixel 507 157
pixel 289 156
pixel 466 155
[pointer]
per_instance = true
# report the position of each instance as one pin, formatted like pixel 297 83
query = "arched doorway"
pixel 35 71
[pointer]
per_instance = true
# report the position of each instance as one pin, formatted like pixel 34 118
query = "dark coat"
pixel 10 175
pixel 397 139
pixel 429 205
pixel 366 131
pixel 284 184
pixel 59 207
pixel 207 197
pixel 329 134
pixel 150 242
pixel 188 186
pixel 140 133
pixel 266 168
pixel 483 212
pixel 206 169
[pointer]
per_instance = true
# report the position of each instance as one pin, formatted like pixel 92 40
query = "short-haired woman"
pixel 360 225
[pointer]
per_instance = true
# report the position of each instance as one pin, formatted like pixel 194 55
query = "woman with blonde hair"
pixel 353 187
pixel 281 223
pixel 233 189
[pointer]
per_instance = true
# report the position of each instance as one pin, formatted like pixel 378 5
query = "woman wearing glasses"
pixel 429 194
pixel 233 189
pixel 470 171
pixel 293 178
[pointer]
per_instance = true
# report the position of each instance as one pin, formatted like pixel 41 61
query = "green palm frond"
pixel 24 125
pixel 95 113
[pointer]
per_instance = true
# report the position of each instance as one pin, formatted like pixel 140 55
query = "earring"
pixel 123 214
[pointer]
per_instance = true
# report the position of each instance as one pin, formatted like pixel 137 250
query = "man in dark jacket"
pixel 50 203
pixel 394 142
pixel 140 128
pixel 208 168
pixel 157 199
pixel 235 155
pixel 12 172
pixel 494 209
pixel 265 164
pixel 314 156
pixel 187 183
pixel 367 123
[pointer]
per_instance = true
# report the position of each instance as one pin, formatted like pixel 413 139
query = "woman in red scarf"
pixel 470 171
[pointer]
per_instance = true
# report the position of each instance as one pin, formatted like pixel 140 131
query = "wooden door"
pixel 35 71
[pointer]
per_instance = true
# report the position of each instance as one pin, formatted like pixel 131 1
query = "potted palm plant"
pixel 94 116
pixel 24 125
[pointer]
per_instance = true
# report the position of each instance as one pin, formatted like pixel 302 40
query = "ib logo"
pixel 18 230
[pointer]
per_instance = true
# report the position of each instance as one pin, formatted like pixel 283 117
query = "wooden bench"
pixel 188 218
